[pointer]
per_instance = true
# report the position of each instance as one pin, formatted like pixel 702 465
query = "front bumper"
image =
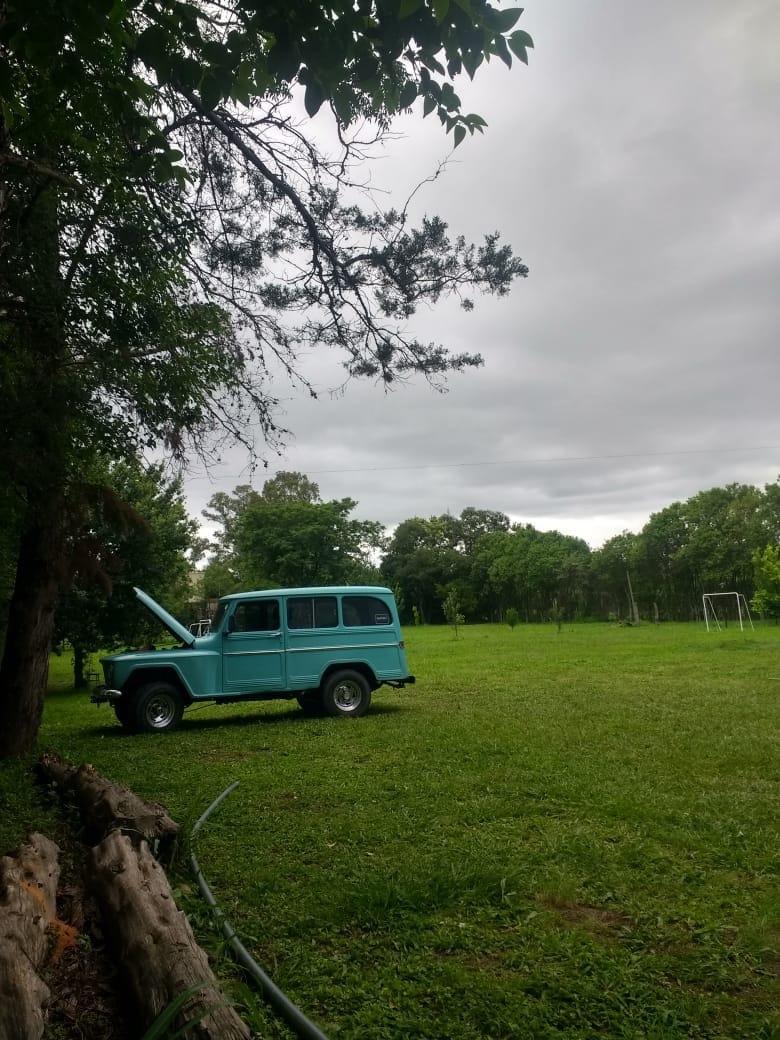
pixel 105 695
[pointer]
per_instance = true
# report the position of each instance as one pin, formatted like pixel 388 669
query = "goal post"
pixel 710 613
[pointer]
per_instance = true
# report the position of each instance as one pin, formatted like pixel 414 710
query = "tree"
pixel 423 560
pixel 292 544
pixel 611 567
pixel 288 486
pixel 99 610
pixel 767 573
pixel 169 235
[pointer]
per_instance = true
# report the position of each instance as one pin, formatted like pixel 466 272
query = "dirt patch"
pixel 600 922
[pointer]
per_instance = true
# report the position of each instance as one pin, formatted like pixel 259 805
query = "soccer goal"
pixel 735 600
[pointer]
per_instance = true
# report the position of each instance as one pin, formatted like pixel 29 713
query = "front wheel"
pixel 346 693
pixel 158 708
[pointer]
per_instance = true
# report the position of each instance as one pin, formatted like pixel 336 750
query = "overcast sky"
pixel 635 166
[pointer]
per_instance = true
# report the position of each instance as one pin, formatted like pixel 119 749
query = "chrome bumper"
pixel 103 695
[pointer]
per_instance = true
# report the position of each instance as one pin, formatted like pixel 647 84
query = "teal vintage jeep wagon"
pixel 327 647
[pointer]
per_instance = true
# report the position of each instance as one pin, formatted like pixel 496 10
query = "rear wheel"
pixel 346 693
pixel 157 708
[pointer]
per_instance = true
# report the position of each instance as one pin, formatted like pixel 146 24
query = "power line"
pixel 553 460
pixel 543 461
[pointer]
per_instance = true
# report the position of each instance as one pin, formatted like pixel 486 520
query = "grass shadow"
pixel 191 723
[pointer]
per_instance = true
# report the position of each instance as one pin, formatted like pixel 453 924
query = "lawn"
pixel 554 834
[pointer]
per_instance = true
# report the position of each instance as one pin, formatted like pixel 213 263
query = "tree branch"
pixel 31 166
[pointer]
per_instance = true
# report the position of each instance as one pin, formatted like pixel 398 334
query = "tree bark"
pixel 28 891
pixel 35 459
pixel 24 669
pixel 154 943
pixel 106 806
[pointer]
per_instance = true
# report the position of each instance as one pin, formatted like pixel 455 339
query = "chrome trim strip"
pixel 341 646
pixel 253 653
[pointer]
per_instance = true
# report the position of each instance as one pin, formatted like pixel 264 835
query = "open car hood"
pixel 177 630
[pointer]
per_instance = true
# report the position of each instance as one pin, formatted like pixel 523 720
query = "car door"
pixel 252 648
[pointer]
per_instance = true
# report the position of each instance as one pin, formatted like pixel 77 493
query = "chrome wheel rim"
pixel 347 696
pixel 160 711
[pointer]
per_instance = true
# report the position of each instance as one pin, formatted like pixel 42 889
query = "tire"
pixel 346 693
pixel 310 703
pixel 157 708
pixel 124 712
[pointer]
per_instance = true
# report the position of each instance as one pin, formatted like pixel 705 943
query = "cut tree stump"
pixel 153 941
pixel 28 898
pixel 105 806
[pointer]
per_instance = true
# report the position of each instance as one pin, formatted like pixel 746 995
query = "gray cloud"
pixel 634 166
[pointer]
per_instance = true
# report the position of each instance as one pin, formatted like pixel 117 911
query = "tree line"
pixel 483 565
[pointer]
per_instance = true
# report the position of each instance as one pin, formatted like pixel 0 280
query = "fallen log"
pixel 105 806
pixel 28 896
pixel 153 941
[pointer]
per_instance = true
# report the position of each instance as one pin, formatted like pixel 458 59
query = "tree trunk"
pixel 106 806
pixel 24 670
pixel 154 942
pixel 36 462
pixel 28 886
pixel 79 657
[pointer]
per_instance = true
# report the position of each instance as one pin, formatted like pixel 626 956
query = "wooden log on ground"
pixel 105 806
pixel 28 897
pixel 153 941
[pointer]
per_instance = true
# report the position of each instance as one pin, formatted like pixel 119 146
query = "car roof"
pixel 319 590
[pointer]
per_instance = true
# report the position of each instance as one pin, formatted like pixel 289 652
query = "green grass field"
pixel 553 834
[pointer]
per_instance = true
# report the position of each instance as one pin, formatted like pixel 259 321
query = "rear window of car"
pixel 365 610
pixel 312 612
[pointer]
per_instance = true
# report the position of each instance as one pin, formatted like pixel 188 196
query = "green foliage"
pixel 305 543
pixel 767 576
pixel 134 532
pixel 286 535
pixel 511 617
pixel 368 59
pixel 451 608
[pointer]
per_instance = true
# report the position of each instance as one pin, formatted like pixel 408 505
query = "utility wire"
pixel 519 462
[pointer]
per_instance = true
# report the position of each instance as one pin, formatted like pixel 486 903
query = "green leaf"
pixel 313 97
pixel 518 42
pixel 408 7
pixel 500 48
pixel 210 92
pixel 153 46
pixel 440 9
pixel 408 94
pixel 506 19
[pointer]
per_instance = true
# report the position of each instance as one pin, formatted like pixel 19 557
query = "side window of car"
pixel 365 610
pixel 312 612
pixel 256 616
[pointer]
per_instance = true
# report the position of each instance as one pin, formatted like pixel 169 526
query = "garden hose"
pixel 280 1003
